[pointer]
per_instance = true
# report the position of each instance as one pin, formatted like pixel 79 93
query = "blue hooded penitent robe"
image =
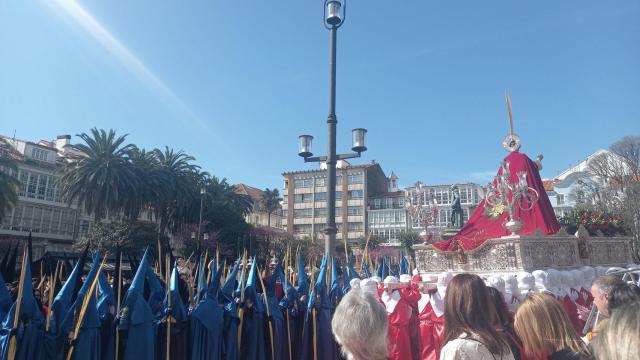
pixel 30 331
pixel 231 319
pixel 88 344
pixel 253 334
pixel 136 319
pixel 180 341
pixel 56 339
pixel 5 299
pixel 206 324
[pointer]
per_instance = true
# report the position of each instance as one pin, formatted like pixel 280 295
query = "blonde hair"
pixel 620 339
pixel 544 327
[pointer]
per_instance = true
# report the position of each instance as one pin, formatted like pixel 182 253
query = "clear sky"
pixel 234 83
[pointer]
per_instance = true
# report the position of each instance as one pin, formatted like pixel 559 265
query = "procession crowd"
pixel 467 317
pixel 291 310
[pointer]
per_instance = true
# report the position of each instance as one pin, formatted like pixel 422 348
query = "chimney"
pixel 62 141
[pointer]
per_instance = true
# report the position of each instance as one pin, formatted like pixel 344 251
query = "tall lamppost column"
pixel 332 121
pixel 334 15
pixel 203 192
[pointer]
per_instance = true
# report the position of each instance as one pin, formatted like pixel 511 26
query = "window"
pixel 302 183
pixel 338 195
pixel 321 196
pixel 321 181
pixel 355 226
pixel 356 194
pixel 560 199
pixel 355 210
pixel 302 198
pixel 302 213
pixel 39 154
pixel 377 203
pixel 320 212
pixel 302 229
pixel 285 199
pixel 355 178
pixel 338 179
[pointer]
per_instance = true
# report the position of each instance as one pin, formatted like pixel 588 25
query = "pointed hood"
pixel 227 288
pixel 365 269
pixel 29 307
pixel 251 290
pixel 62 302
pixel 214 285
pixel 303 282
pixel 404 266
pixel 179 312
pixel 107 297
pixel 353 273
pixel 5 299
pixel 141 273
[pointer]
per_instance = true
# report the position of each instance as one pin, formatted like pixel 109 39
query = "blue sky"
pixel 234 83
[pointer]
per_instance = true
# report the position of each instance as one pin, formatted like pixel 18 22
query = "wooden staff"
pixel 287 264
pixel 160 254
pixel 52 290
pixel 241 310
pixel 266 302
pixel 117 351
pixel 83 309
pixel 13 342
pixel 169 318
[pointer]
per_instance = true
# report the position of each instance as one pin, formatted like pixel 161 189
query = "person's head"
pixel 359 325
pixel 468 309
pixel 621 295
pixel 620 339
pixel 601 289
pixel 544 327
pixel 503 316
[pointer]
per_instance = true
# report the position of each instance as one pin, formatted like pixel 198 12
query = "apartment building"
pixel 305 200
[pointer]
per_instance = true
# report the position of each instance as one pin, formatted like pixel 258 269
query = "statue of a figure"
pixel 456 208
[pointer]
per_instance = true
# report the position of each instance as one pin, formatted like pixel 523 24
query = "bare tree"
pixel 612 184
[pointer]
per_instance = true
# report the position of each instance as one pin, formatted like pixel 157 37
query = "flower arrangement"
pixel 593 221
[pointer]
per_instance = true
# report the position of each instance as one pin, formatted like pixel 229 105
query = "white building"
pixel 54 224
pixel 565 191
pixel 258 215
pixel 387 214
pixel 441 195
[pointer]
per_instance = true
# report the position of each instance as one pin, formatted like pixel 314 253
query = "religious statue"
pixel 456 208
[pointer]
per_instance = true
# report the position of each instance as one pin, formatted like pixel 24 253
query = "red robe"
pixel 399 322
pixel 572 311
pixel 431 329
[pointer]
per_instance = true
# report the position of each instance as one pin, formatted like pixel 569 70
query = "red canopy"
pixel 486 222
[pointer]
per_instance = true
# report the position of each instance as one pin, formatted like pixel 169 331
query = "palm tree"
pixel 153 182
pixel 102 178
pixel 9 185
pixel 270 201
pixel 175 203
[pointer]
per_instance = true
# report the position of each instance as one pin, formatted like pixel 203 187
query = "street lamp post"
pixel 334 15
pixel 203 192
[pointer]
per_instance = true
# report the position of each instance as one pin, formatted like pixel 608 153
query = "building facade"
pixel 387 214
pixel 54 224
pixel 258 215
pixel 305 200
pixel 566 190
pixel 436 200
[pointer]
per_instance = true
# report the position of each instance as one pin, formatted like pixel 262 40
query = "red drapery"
pixel 482 226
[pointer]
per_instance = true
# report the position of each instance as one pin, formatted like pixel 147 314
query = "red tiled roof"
pixel 254 193
pixel 548 185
